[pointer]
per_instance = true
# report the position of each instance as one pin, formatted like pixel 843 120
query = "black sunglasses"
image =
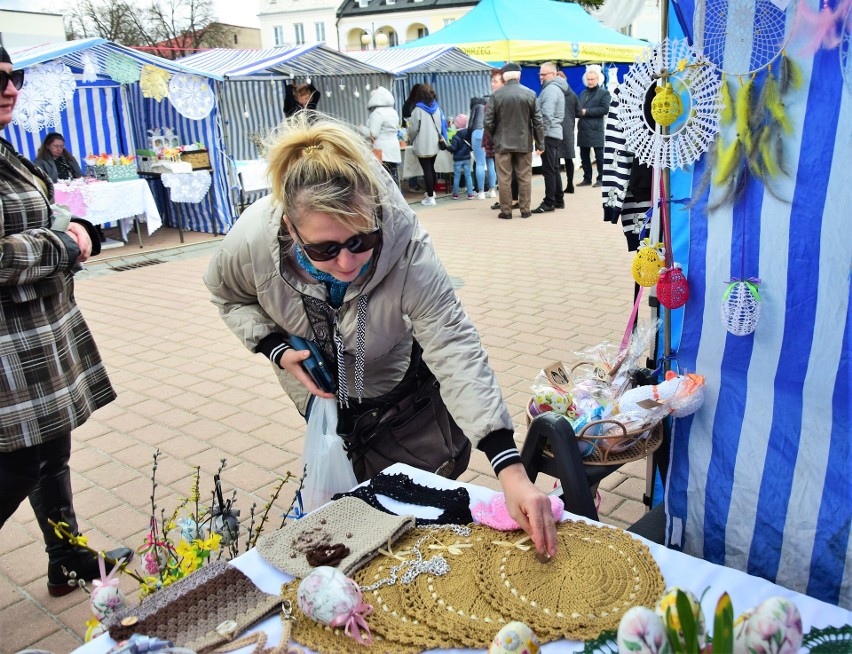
pixel 328 250
pixel 16 76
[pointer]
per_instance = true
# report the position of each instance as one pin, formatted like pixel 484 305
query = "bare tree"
pixel 169 28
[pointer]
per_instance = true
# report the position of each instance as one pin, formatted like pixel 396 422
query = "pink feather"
pixel 819 29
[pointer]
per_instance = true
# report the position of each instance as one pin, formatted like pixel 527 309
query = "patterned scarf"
pixel 336 288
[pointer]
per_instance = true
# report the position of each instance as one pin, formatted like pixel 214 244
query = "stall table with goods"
pixel 102 202
pixel 413 561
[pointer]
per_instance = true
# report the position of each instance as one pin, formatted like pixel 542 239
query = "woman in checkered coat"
pixel 51 375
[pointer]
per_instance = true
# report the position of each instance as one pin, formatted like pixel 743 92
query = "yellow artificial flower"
pixel 190 558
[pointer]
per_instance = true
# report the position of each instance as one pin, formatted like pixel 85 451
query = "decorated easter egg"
pixel 667 610
pixel 227 526
pixel 672 287
pixel 666 107
pixel 775 625
pixel 326 594
pixel 548 398
pixel 515 638
pixel 741 307
pixel 641 631
pixel 647 263
pixel 105 600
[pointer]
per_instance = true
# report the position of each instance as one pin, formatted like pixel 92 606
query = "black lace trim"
pixel 400 487
pixel 321 318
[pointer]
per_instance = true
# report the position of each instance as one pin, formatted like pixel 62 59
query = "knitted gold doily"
pixel 494 577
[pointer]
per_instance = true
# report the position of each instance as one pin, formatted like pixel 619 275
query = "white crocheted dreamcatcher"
pixel 742 36
pixel 191 95
pixel 846 51
pixel 47 90
pixel 696 84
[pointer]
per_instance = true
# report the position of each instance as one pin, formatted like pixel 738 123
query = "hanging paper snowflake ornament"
pixel 154 82
pixel 647 263
pixel 47 90
pixel 191 96
pixel 672 287
pixel 328 94
pixel 742 37
pixel 121 68
pixel 695 82
pixel 741 306
pixel 357 94
pixel 90 67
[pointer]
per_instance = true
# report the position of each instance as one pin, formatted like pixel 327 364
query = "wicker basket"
pixel 198 158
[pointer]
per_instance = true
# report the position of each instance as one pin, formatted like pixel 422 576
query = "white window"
pixel 393 39
pixel 422 31
pixel 447 21
pixel 320 30
pixel 299 30
pixel 278 35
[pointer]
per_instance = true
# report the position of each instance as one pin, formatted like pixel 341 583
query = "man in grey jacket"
pixel 551 102
pixel 513 120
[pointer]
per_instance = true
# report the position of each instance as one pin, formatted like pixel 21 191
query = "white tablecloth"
pixel 106 202
pixel 678 570
pixel 411 164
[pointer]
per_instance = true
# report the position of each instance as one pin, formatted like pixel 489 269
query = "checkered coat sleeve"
pixel 52 375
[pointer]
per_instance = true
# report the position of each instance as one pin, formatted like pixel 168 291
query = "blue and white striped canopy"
pixel 426 59
pixel 69 53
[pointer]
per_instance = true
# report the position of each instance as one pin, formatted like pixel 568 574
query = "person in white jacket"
pixel 383 125
pixel 336 255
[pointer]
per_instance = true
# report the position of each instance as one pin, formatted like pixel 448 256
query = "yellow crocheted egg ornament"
pixel 647 263
pixel 666 106
pixel 515 638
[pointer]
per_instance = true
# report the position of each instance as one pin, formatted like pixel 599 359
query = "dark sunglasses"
pixel 328 250
pixel 16 76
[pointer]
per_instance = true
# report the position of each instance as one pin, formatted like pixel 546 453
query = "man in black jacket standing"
pixel 513 120
pixel 594 104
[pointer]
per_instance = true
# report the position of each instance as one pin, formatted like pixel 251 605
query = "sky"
pixel 243 12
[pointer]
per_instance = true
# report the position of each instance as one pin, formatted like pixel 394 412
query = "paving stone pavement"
pixel 538 290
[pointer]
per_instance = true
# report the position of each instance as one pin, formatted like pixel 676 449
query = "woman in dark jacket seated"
pixel 55 160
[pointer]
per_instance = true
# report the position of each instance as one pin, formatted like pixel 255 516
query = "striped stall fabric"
pixel 760 479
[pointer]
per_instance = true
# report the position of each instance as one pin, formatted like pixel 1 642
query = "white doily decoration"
pixel 121 68
pixel 90 67
pixel 740 309
pixel 47 90
pixel 697 85
pixel 742 36
pixel 187 187
pixel 846 51
pixel 191 95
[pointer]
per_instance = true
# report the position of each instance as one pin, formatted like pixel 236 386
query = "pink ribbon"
pixel 107 579
pixel 353 622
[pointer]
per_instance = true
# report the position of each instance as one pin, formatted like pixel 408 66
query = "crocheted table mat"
pixel 325 640
pixel 189 611
pixel 349 521
pixel 597 575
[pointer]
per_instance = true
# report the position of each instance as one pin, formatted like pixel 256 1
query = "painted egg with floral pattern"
pixel 775 625
pixel 641 631
pixel 326 594
pixel 667 610
pixel 515 638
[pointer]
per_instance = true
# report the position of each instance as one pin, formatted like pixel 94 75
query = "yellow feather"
pixel 767 153
pixel 727 114
pixel 774 104
pixel 742 108
pixel 795 73
pixel 728 160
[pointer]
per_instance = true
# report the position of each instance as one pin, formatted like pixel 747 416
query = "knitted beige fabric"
pixel 189 611
pixel 597 575
pixel 349 521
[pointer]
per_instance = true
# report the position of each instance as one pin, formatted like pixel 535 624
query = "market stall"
pixel 584 545
pixel 104 97
pixel 251 98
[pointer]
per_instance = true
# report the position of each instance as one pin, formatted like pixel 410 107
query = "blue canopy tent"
pixel 251 97
pixel 534 31
pixel 107 117
pixel 455 75
pixel 759 479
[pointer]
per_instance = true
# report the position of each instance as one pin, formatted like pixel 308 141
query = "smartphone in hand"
pixel 314 365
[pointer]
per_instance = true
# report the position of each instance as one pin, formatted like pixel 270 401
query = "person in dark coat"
pixel 300 96
pixel 55 160
pixel 594 104
pixel 569 119
pixel 53 377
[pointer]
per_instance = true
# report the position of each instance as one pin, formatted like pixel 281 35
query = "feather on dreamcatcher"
pixel 845 51
pixel 820 29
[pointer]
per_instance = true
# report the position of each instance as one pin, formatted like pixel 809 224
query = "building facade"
pixel 24 29
pixel 295 22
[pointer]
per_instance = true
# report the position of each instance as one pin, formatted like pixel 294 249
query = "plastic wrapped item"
pixel 327 468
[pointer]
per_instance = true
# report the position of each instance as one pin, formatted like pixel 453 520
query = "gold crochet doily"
pixel 494 577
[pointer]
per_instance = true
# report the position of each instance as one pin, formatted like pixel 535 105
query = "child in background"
pixel 461 148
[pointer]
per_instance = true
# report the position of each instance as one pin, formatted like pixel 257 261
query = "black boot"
pixel 52 500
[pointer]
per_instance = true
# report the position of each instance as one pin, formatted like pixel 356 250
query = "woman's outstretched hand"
pixel 529 507
pixel 291 361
